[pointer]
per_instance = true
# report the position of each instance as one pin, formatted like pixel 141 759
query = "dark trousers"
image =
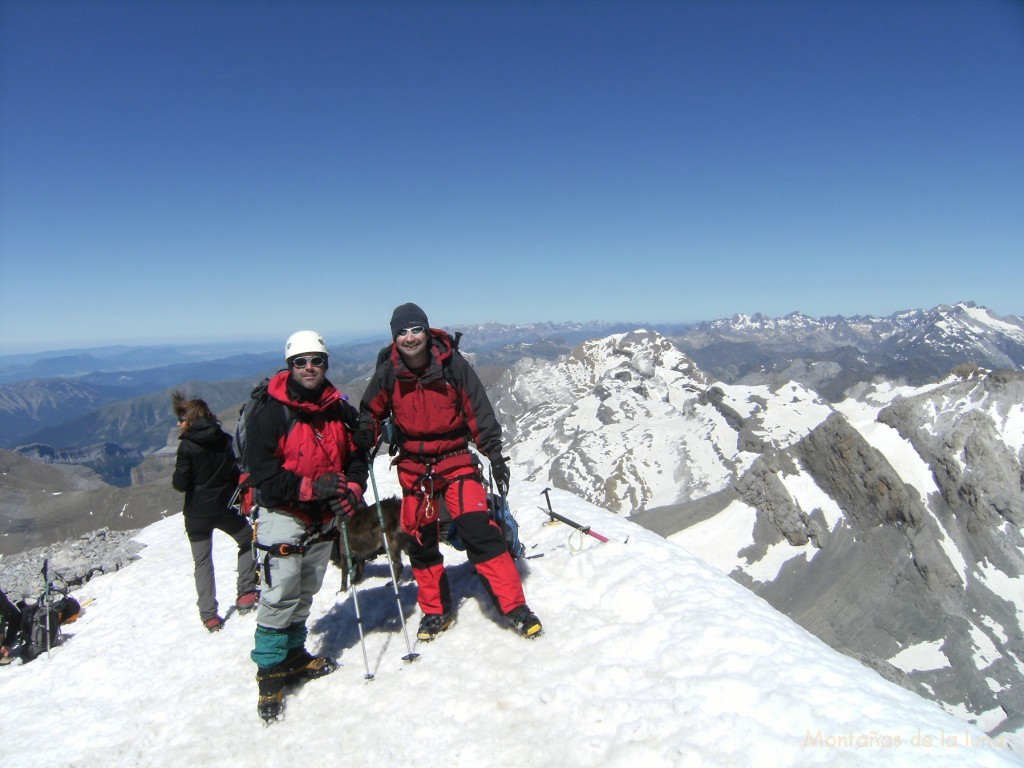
pixel 200 535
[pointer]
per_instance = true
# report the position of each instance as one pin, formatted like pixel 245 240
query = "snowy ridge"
pixel 737 525
pixel 650 657
pixel 780 415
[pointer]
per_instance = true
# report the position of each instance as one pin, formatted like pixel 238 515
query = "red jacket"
pixel 289 439
pixel 438 410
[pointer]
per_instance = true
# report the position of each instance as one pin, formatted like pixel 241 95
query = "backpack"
pixel 502 515
pixel 244 498
pixel 41 621
pixel 38 634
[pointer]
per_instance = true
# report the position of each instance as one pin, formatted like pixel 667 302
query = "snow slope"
pixel 650 657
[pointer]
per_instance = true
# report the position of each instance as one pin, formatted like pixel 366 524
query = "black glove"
pixel 365 435
pixel 363 439
pixel 500 472
pixel 330 486
pixel 347 503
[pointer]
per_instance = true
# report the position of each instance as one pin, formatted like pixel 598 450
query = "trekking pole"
pixel 355 599
pixel 410 656
pixel 46 601
pixel 555 516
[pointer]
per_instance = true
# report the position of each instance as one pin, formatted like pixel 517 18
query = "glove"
pixel 348 502
pixel 329 485
pixel 500 472
pixel 365 435
pixel 363 440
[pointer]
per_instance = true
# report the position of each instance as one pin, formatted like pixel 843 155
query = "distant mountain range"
pixel 68 403
pixel 120 394
pixel 832 353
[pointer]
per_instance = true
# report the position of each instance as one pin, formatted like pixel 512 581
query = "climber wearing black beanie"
pixel 437 404
pixel 407 316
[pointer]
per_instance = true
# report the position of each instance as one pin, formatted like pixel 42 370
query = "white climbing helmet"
pixel 303 343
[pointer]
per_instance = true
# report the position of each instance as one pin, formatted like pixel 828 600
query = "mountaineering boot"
pixel 302 665
pixel 271 682
pixel 524 621
pixel 247 602
pixel 214 624
pixel 433 624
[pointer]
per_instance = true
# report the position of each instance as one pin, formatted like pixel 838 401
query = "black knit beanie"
pixel 406 316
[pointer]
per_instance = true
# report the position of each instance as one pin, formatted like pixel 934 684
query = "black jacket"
pixel 293 437
pixel 205 470
pixel 10 621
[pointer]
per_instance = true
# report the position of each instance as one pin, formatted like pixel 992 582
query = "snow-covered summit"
pixel 649 657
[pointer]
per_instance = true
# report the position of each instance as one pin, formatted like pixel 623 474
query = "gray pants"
pixel 289 583
pixel 200 536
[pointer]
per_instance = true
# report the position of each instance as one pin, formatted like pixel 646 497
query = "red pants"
pixel 455 480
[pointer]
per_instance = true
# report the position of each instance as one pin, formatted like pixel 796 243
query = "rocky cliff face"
pixel 888 524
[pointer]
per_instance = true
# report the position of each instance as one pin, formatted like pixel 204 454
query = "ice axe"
pixel 560 518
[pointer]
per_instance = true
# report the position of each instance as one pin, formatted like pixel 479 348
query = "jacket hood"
pixel 204 432
pixel 278 389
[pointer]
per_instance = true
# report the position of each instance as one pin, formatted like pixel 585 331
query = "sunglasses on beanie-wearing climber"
pixel 415 330
pixel 301 362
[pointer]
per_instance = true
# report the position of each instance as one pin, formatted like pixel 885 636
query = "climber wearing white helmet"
pixel 307 474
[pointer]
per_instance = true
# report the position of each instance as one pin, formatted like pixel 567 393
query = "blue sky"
pixel 182 171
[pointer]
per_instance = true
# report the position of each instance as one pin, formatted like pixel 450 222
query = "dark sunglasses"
pixel 416 330
pixel 181 419
pixel 302 362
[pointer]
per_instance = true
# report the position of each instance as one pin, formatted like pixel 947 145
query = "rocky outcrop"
pixel 979 474
pixel 761 488
pixel 72 562
pixel 858 477
pixel 904 569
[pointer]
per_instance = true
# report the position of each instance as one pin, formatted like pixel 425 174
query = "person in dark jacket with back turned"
pixel 438 404
pixel 206 471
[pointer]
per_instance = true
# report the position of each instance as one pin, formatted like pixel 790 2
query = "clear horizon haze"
pixel 202 171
